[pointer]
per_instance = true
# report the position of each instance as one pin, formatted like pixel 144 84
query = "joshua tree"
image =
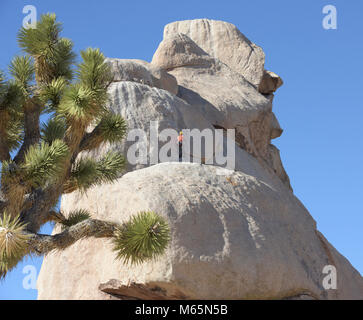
pixel 40 162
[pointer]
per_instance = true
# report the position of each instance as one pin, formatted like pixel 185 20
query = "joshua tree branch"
pixel 55 216
pixel 4 150
pixel 32 112
pixel 37 207
pixel 91 140
pixel 43 244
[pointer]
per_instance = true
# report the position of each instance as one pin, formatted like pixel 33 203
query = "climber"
pixel 180 142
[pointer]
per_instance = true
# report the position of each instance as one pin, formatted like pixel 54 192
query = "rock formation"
pixel 240 235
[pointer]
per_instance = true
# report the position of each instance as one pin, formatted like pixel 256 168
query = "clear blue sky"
pixel 319 107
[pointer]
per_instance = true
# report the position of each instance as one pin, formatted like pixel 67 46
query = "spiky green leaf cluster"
pixel 54 129
pixel 84 174
pixel 93 72
pixel 110 167
pixel 75 217
pixel 2 79
pixel 7 264
pixel 77 104
pixel 41 39
pixel 88 172
pixel 11 114
pixel 63 58
pixel 144 237
pixel 44 162
pixel 53 55
pixel 13 242
pixel 112 128
pixel 11 97
pixel 14 134
pixel 51 93
pixel 85 100
pixel 22 70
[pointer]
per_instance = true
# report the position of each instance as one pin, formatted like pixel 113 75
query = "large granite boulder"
pixel 236 234
pixel 233 237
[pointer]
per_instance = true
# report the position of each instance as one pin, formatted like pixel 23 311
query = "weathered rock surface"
pixel 178 51
pixel 233 237
pixel 142 72
pixel 222 95
pixel 241 235
pixel 140 104
pixel 224 41
pixel 270 82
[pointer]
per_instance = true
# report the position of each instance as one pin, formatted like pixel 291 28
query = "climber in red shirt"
pixel 180 142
